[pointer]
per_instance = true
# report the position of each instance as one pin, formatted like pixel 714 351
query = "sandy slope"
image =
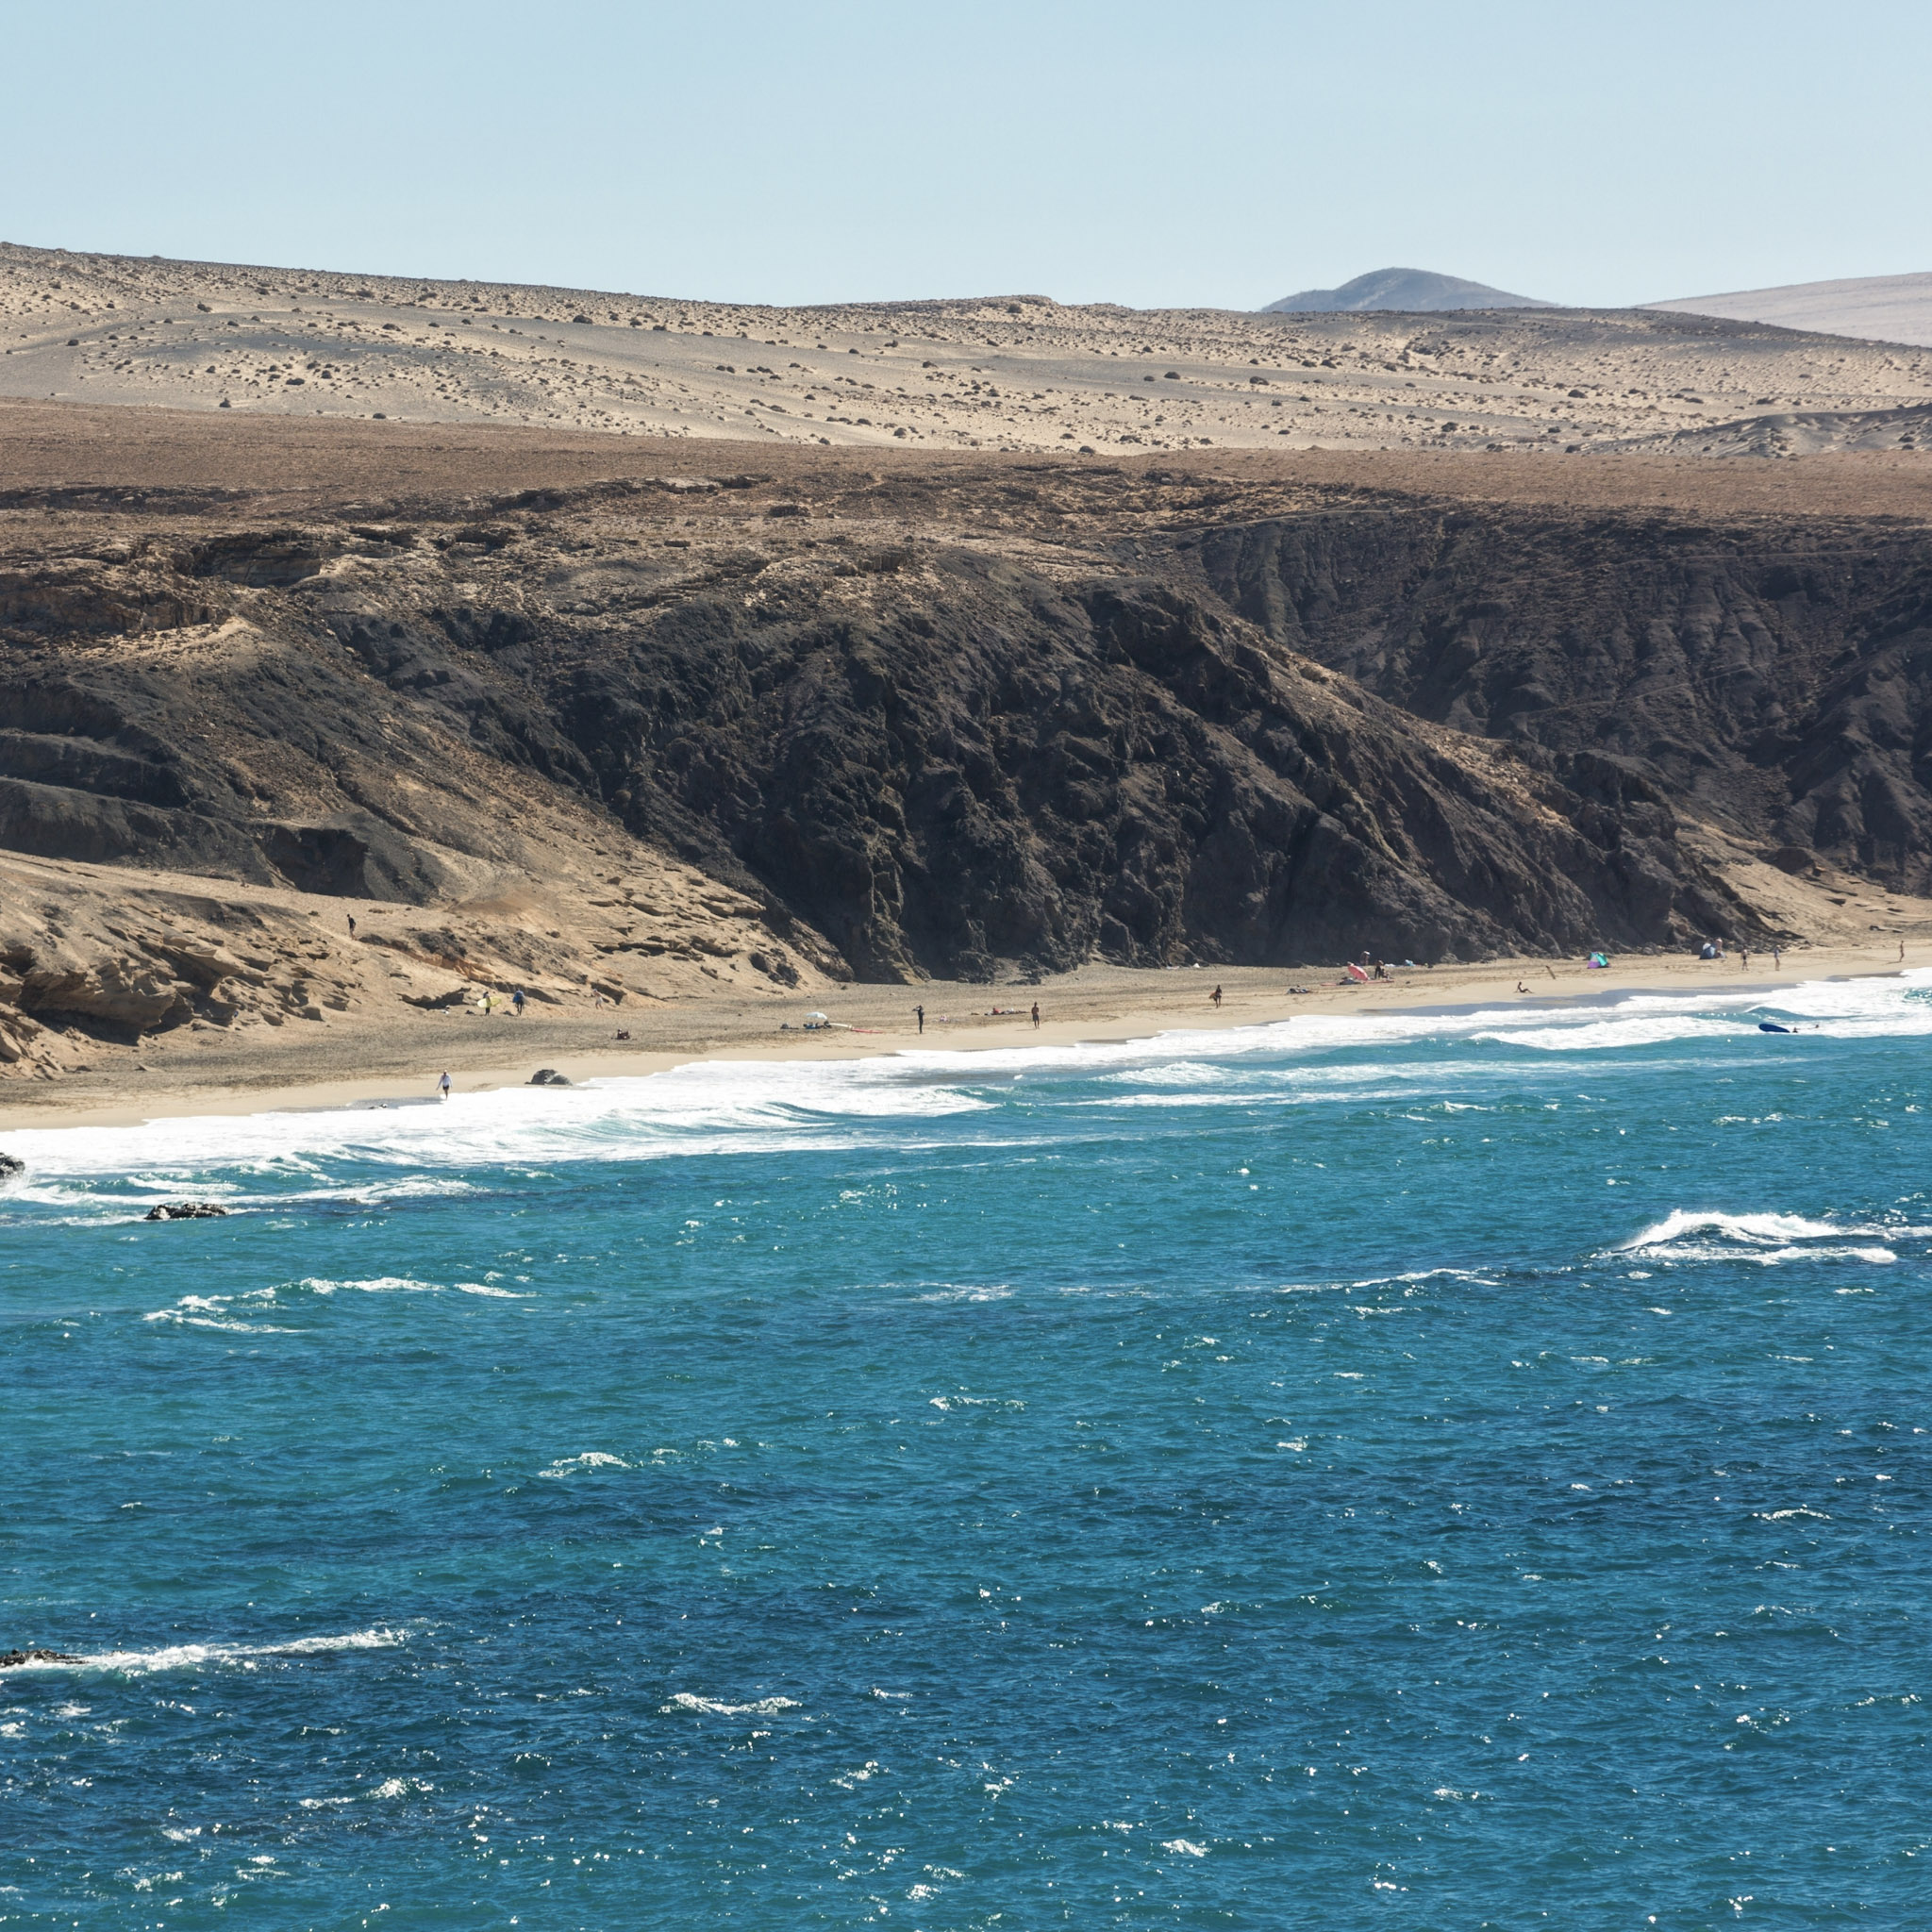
pixel 1888 308
pixel 1017 374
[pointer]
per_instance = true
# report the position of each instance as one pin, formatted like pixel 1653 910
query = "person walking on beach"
pixel 1215 997
pixel 516 1000
pixel 1035 1012
pixel 1777 960
pixel 351 924
pixel 920 1013
pixel 442 1085
pixel 1743 957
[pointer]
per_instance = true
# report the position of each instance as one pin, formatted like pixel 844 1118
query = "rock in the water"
pixel 548 1077
pixel 186 1210
pixel 12 1659
pixel 11 1164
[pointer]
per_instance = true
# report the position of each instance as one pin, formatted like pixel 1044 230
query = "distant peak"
pixel 1417 290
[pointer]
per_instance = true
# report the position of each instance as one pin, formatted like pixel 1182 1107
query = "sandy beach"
pixel 400 1064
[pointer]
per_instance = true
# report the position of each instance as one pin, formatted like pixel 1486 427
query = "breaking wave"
pixel 189 1656
pixel 1689 1235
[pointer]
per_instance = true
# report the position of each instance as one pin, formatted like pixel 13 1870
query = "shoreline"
pixel 1245 1005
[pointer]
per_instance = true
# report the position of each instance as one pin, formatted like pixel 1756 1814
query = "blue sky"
pixel 1138 152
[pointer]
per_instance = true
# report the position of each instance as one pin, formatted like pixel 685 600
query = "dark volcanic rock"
pixel 953 763
pixel 11 1165
pixel 186 1210
pixel 12 1659
pixel 1422 731
pixel 994 768
pixel 1775 679
pixel 548 1077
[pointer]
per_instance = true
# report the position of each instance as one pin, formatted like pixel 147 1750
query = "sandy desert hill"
pixel 1886 308
pixel 1021 373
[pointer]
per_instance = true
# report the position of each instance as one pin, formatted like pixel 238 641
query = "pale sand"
pixel 1016 374
pixel 1097 1004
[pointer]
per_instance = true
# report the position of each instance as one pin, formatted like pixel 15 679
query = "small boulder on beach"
pixel 548 1077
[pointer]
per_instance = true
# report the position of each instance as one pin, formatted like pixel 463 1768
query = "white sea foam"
pixel 223 1312
pixel 399 1786
pixel 279 1160
pixel 374 1284
pixel 591 1459
pixel 1768 1238
pixel 1593 1036
pixel 248 1656
pixel 765 1706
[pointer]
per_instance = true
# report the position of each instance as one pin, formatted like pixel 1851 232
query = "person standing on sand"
pixel 516 1000
pixel 1777 960
pixel 1215 997
pixel 1035 1012
pixel 918 1012
pixel 1743 957
pixel 351 924
pixel 442 1085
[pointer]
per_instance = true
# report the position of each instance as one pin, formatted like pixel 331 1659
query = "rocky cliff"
pixel 962 725
pixel 1773 677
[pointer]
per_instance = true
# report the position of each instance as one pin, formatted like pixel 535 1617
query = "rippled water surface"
pixel 1445 1472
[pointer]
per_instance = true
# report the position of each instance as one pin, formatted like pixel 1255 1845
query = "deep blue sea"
pixel 1440 1472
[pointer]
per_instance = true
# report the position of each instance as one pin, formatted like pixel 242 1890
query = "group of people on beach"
pixel 487 1005
pixel 1714 949
pixel 998 1013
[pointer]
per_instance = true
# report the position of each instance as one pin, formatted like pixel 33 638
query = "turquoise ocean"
pixel 1447 1471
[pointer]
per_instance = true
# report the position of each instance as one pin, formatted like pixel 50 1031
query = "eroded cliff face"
pixel 1775 678
pixel 960 735
pixel 980 766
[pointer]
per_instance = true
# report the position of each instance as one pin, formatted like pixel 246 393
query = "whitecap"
pixel 591 1458
pixel 374 1284
pixel 182 1657
pixel 1748 1227
pixel 1596 1035
pixel 1767 1238
pixel 764 1707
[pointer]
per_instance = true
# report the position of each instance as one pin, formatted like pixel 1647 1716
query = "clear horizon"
pixel 1127 154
